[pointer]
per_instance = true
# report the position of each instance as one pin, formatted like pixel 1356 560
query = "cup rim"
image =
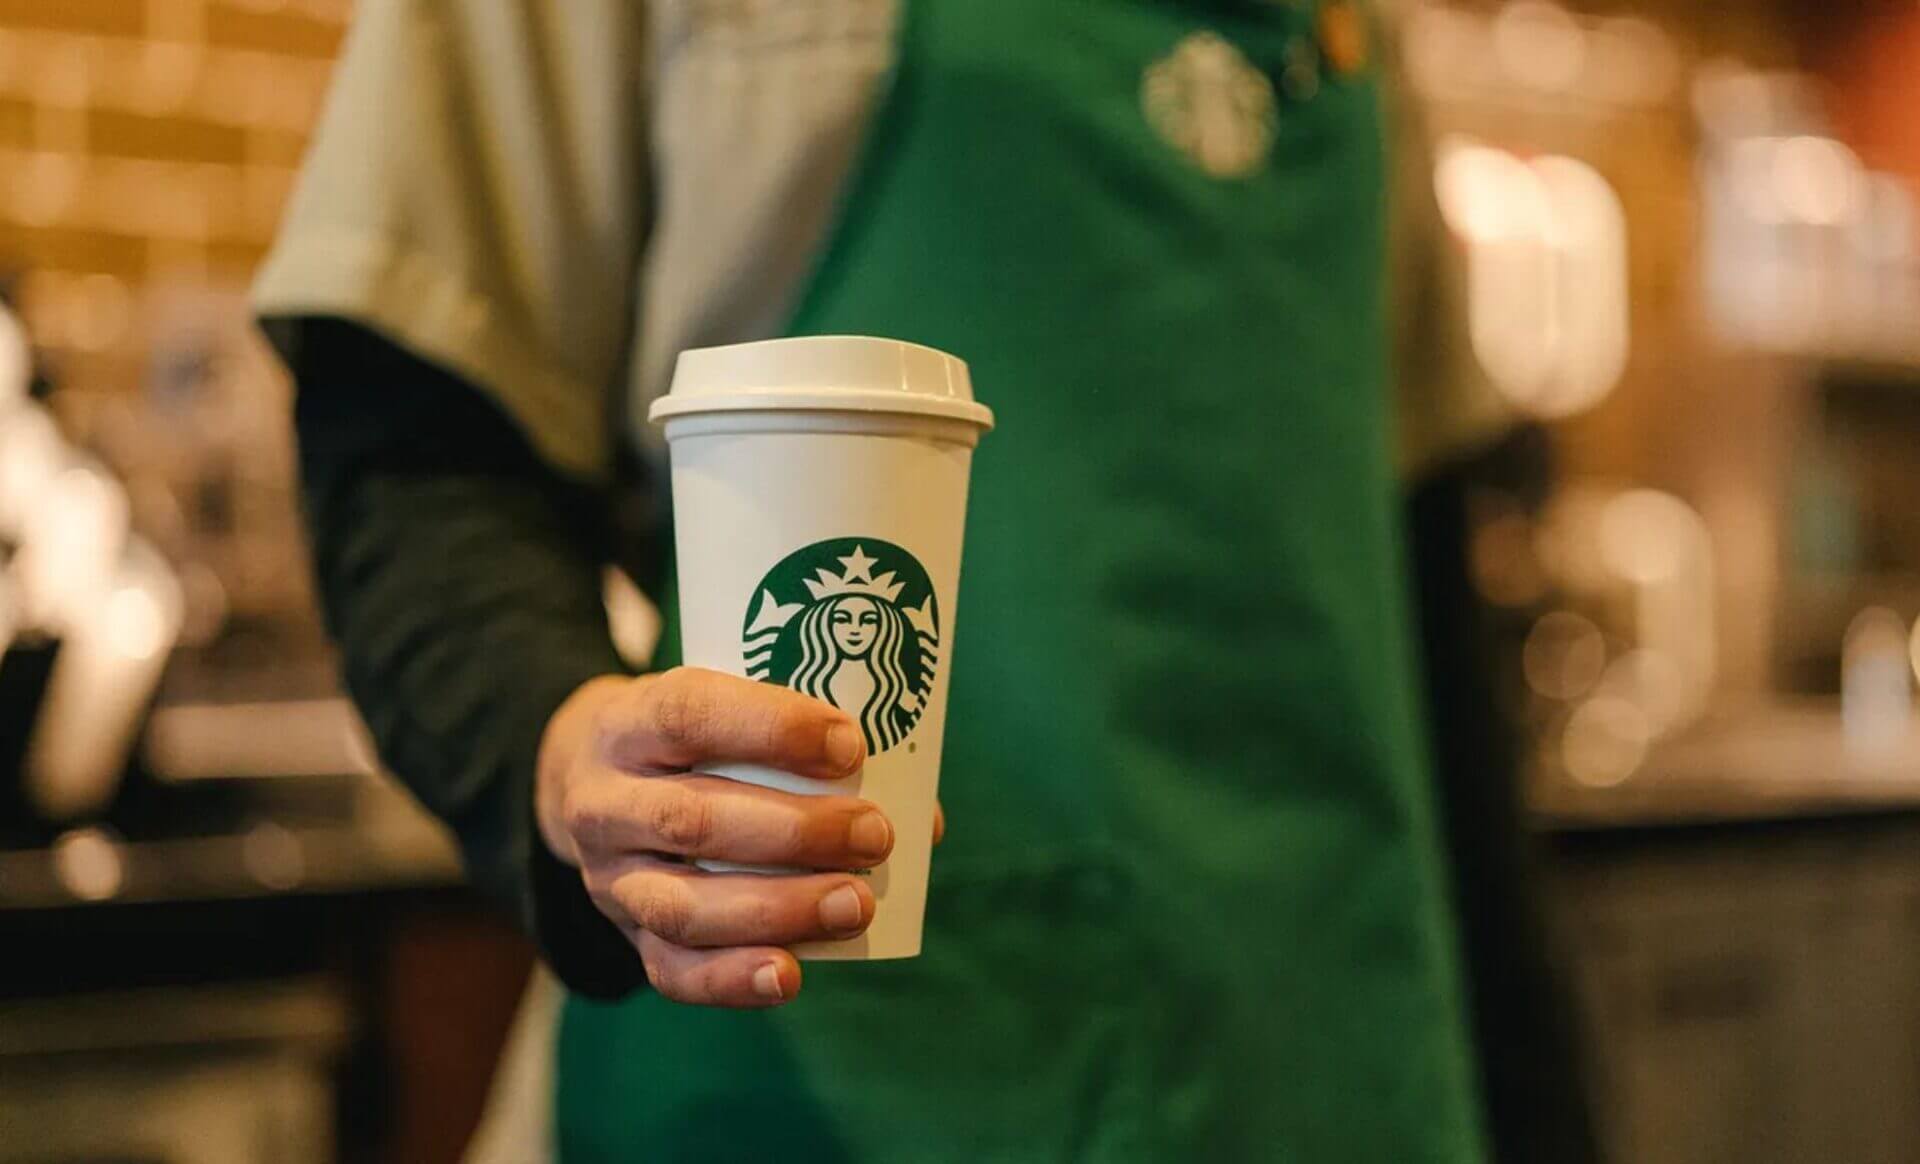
pixel 816 400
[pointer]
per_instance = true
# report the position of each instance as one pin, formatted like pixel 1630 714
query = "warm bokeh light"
pixel 1805 248
pixel 1605 741
pixel 1531 51
pixel 1587 231
pixel 1662 548
pixel 1563 656
pixel 1914 648
pixel 16 363
pixel 31 453
pixel 1651 682
pixel 1646 536
pixel 1488 195
pixel 1816 180
pixel 112 655
pixel 1547 295
pixel 1633 61
pixel 88 862
pixel 1887 233
pixel 272 854
pixel 1539 44
pixel 1642 561
pixel 136 625
pixel 1876 685
pixel 1498 206
pixel 71 541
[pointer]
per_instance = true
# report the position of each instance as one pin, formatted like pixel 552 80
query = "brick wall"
pixel 148 142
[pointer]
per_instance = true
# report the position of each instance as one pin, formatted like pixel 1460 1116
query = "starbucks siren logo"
pixel 851 621
pixel 1213 104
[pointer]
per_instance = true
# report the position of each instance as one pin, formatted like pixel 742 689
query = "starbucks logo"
pixel 1213 104
pixel 851 621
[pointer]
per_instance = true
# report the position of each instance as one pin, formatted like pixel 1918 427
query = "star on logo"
pixel 858 565
pixel 857 578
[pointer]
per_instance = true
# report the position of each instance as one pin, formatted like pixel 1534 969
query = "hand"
pixel 620 795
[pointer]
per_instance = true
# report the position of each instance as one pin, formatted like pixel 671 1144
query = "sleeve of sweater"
pixel 461 577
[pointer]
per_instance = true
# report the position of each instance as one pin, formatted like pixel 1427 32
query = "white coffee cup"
pixel 819 494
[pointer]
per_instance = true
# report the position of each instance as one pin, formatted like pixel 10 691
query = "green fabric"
pixel 1190 905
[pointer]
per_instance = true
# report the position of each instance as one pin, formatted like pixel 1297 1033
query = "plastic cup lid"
pixel 822 373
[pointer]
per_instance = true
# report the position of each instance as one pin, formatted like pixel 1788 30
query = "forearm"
pixel 461 578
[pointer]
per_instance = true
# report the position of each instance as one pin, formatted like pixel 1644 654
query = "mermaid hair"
pixel 878 718
pixel 820 658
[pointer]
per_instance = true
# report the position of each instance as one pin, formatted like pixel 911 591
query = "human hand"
pixel 620 795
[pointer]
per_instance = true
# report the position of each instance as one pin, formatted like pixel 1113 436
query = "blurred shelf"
pixel 382 842
pixel 1887 369
pixel 295 1011
pixel 306 737
pixel 1775 761
pixel 228 1074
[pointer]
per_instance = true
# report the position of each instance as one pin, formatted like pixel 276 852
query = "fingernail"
pixel 766 980
pixel 870 835
pixel 843 746
pixel 841 911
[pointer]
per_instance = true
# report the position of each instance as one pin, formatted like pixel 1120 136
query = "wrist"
pixel 568 731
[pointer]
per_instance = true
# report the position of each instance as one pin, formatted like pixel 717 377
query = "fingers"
pixel 691 908
pixel 939 824
pixel 725 820
pixel 740 977
pixel 688 718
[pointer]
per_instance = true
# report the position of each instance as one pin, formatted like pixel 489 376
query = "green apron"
pixel 1190 905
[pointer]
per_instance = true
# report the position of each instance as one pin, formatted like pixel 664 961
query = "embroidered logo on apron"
pixel 851 621
pixel 1209 102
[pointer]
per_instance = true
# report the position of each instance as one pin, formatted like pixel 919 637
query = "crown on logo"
pixel 857 579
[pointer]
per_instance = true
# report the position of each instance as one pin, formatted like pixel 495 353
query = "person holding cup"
pixel 1192 906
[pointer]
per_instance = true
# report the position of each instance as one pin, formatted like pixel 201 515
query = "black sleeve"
pixel 462 579
pixel 1533 1057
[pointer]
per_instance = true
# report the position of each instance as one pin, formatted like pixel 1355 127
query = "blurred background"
pixel 1687 241
pixel 221 937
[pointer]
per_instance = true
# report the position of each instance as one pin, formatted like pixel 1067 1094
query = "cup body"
pixel 820 550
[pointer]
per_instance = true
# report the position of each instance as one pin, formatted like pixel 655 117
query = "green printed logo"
pixel 851 621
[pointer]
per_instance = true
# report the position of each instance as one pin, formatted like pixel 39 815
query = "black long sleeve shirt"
pixel 462 577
